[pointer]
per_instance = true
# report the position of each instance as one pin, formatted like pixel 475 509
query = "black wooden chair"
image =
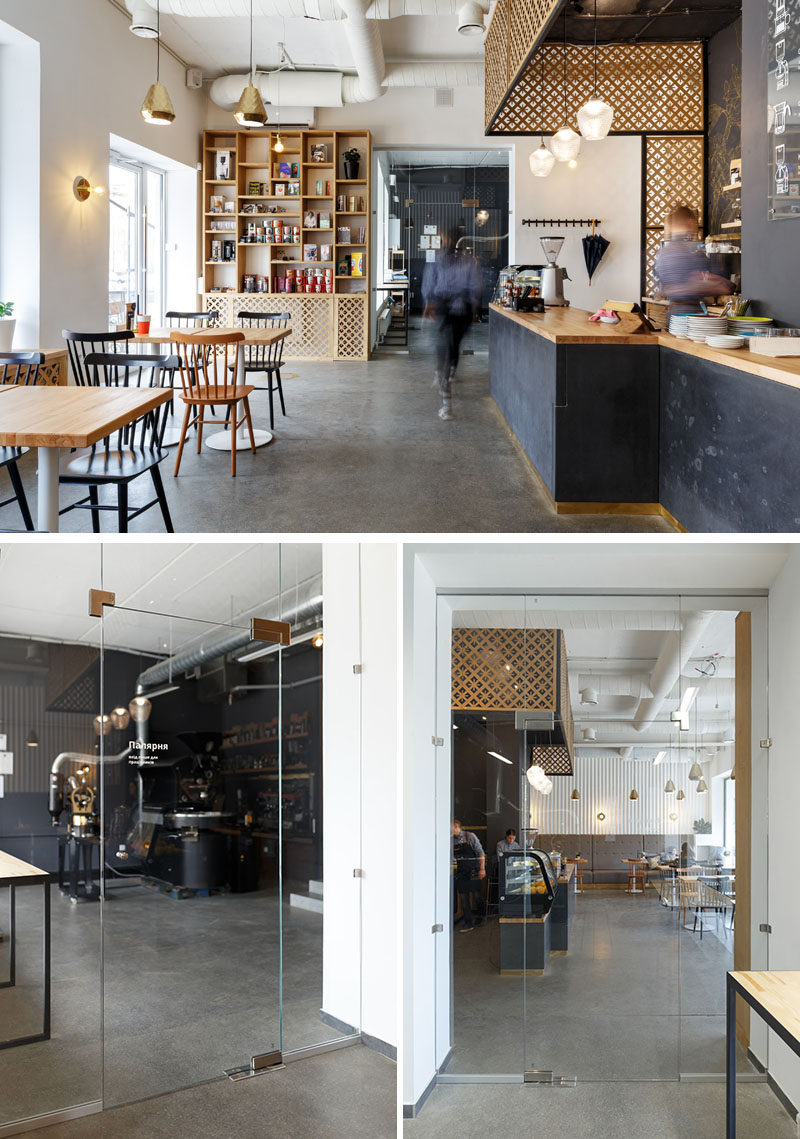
pixel 80 344
pixel 128 453
pixel 266 359
pixel 18 368
pixel 177 319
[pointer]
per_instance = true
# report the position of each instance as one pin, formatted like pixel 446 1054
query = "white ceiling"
pixel 222 45
pixel 167 595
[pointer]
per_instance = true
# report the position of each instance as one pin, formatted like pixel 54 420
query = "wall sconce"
pixel 317 642
pixel 83 189
pixel 601 815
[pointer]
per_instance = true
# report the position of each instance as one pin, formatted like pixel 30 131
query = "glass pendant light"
pixel 157 106
pixel 595 117
pixel 250 111
pixel 541 160
pixel 565 143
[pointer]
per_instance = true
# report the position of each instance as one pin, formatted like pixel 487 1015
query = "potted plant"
pixel 352 158
pixel 7 323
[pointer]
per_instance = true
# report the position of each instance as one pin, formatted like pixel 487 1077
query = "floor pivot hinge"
pixel 548 1079
pixel 267 1062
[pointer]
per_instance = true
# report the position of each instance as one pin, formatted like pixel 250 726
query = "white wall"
pixel 605 184
pixel 359 713
pixel 784 795
pixel 95 75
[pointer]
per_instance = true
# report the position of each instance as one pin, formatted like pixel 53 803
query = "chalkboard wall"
pixel 770 250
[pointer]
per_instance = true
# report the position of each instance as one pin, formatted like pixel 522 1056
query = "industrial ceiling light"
pixel 565 143
pixel 595 117
pixel 680 796
pixel 541 160
pixel 497 755
pixel 140 709
pixel 695 772
pixel 157 106
pixel 120 718
pixel 575 794
pixel 250 111
pixel 588 695
pixel 669 787
pixel 660 759
pixel 702 787
pixel 589 734
pixel 142 23
pixel 102 725
pixel 470 19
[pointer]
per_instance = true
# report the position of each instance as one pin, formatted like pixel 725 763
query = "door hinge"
pixel 765 743
pixel 765 927
pixel 437 928
pixel 358 669
pixel 358 873
pixel 266 1062
pixel 437 741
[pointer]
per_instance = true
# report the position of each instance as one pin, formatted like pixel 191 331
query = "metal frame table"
pixel 775 996
pixel 13 873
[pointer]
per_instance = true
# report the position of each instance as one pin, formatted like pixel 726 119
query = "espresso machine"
pixel 553 275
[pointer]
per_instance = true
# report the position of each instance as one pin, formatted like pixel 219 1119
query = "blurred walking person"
pixel 451 290
pixel 683 270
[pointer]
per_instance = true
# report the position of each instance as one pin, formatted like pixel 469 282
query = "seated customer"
pixel 508 843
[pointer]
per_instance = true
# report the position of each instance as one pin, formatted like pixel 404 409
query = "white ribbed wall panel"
pixel 605 784
pixel 22 710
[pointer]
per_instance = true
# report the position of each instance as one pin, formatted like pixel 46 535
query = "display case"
pixel 515 277
pixel 527 883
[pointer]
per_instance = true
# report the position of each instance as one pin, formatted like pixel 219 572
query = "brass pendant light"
pixel 250 110
pixel 634 794
pixel 157 106
pixel 575 794
pixel 595 116
pixel 680 796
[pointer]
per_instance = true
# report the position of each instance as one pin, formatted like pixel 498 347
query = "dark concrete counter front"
pixel 582 401
pixel 650 424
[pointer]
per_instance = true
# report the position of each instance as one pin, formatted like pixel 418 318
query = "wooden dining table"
pixel 263 337
pixel 52 418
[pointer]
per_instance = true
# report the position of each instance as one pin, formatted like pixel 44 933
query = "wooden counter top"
pixel 572 326
pixel 566 873
pixel 778 993
pixel 786 371
pixel 13 871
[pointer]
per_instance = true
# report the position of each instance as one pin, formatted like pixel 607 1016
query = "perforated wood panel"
pixel 351 328
pixel 311 319
pixel 674 176
pixel 652 87
pixel 527 19
pixel 504 669
pixel 555 759
pixel 496 59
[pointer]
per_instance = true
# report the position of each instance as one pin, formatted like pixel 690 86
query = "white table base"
pixel 47 512
pixel 221 440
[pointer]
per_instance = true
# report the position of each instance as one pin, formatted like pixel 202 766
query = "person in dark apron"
pixel 469 869
pixel 682 269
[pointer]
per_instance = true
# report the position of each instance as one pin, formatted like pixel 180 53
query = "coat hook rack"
pixel 561 221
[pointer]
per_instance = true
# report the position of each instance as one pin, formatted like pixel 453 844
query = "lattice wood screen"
pixel 514 30
pixel 652 87
pixel 504 669
pixel 555 759
pixel 674 176
pixel 352 330
pixel 311 319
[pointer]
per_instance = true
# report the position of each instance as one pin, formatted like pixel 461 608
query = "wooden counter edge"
pixel 583 332
pixel 742 359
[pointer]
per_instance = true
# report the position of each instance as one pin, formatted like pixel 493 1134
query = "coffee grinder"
pixel 553 276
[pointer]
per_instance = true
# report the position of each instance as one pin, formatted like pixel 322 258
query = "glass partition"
pixel 602 730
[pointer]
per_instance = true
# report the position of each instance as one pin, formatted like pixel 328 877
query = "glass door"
pixel 192 925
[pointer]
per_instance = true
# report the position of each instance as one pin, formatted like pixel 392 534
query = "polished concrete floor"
pixel 361 450
pixel 347 1094
pixel 189 988
pixel 638 996
pixel 598 1111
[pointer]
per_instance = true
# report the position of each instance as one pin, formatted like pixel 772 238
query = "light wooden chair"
pixel 209 363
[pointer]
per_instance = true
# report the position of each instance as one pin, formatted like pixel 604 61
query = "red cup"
pixel 143 325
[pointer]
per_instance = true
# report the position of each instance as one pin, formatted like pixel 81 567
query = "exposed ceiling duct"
pixel 678 648
pixel 143 14
pixel 300 606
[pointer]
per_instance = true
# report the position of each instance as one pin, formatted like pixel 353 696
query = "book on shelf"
pixel 216 204
pixel 325 252
pixel 324 219
pixel 309 253
pixel 222 166
pixel 318 190
pixel 356 264
pixel 280 189
pixel 343 234
pixel 343 266
pixel 295 169
pixel 254 187
pixel 294 189
pixel 359 234
pixel 284 169
pixel 310 219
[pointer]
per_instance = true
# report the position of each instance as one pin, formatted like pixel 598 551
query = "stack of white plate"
pixel 677 326
pixel 747 325
pixel 726 341
pixel 699 327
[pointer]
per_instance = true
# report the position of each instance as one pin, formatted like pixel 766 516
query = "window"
pixel 136 240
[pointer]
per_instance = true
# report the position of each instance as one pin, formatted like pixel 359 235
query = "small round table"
pixel 634 874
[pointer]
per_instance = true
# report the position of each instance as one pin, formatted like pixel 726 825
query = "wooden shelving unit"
pixel 332 321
